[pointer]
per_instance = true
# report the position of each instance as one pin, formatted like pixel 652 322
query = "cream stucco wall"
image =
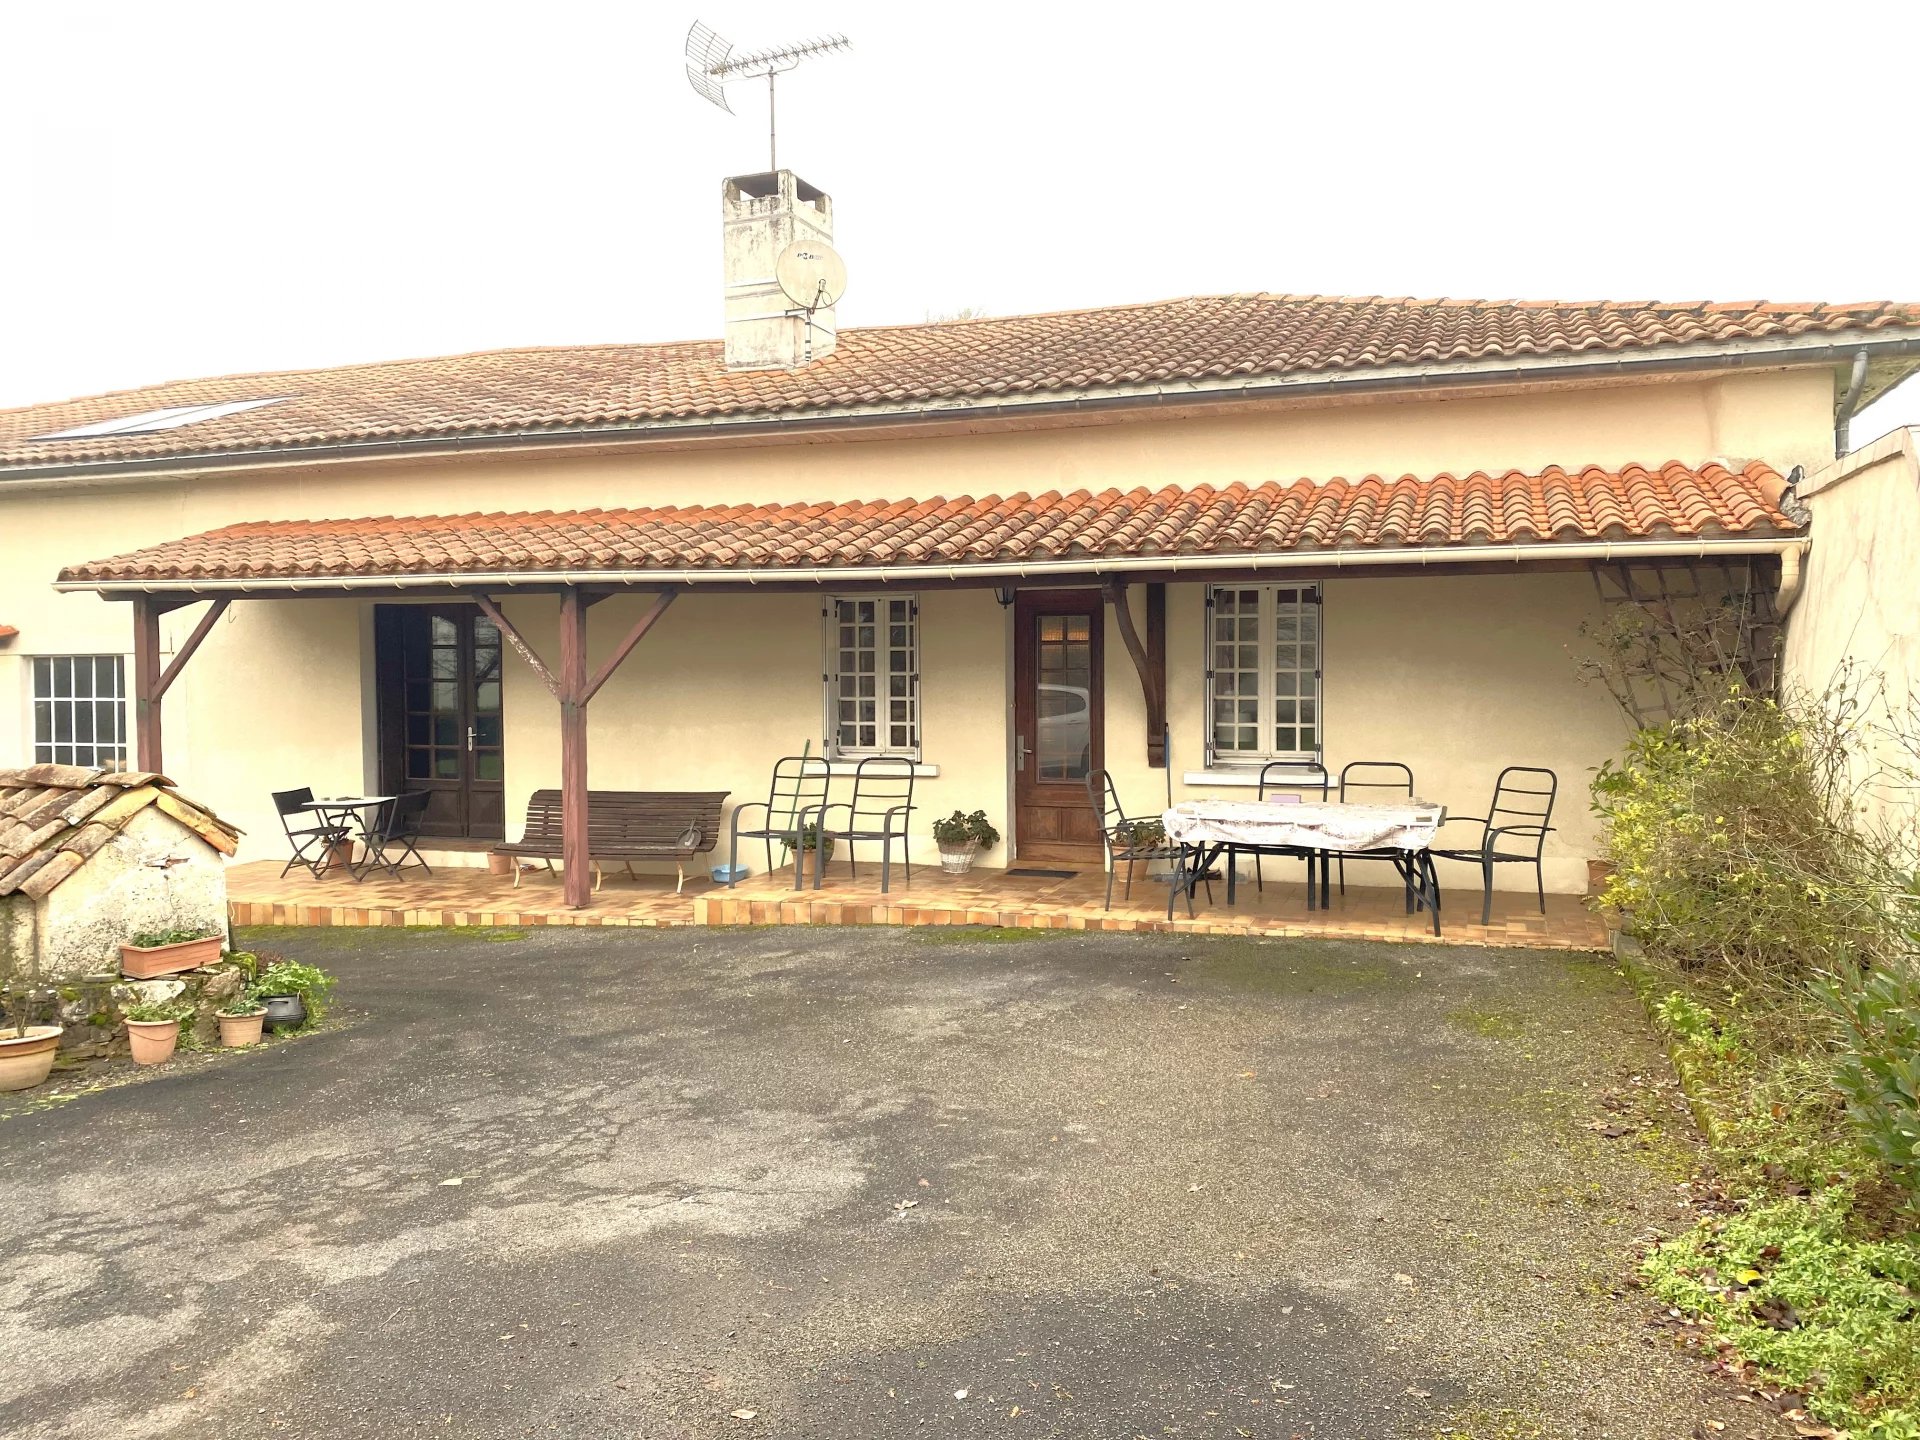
pixel 1859 604
pixel 279 696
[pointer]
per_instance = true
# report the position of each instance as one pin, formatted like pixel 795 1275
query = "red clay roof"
pixel 1209 339
pixel 1635 502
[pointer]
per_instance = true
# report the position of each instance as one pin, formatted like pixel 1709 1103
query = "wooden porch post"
pixel 573 688
pixel 150 682
pixel 574 858
pixel 146 683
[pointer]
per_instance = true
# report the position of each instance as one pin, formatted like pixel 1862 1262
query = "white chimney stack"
pixel 761 216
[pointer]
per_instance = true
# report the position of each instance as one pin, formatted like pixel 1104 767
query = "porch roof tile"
pixel 1631 503
pixel 1162 346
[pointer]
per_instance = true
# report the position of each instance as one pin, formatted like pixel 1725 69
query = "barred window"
pixel 1263 673
pixel 79 711
pixel 873 676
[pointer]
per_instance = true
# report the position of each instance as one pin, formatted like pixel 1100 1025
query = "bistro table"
pixel 1401 832
pixel 340 810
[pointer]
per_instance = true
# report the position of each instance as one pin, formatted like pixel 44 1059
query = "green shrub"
pixel 1877 1064
pixel 1732 851
pixel 281 976
pixel 153 939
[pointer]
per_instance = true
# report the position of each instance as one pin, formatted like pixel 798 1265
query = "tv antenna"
pixel 711 63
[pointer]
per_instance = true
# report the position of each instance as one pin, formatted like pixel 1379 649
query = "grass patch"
pixel 1494 1024
pixel 978 934
pixel 358 937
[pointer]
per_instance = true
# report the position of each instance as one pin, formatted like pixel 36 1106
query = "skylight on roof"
pixel 149 421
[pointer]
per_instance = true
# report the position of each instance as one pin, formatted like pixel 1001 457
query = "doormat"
pixel 1025 874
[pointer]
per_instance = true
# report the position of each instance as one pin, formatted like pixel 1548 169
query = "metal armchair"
pixel 312 844
pixel 393 836
pixel 799 784
pixel 1522 805
pixel 875 814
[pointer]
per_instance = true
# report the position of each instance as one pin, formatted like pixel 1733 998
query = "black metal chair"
pixel 1380 781
pixel 800 784
pixel 312 844
pixel 1284 790
pixel 393 836
pixel 1521 808
pixel 1129 838
pixel 875 814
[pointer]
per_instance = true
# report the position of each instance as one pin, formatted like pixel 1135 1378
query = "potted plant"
pixel 26 1051
pixel 814 851
pixel 241 1018
pixel 962 837
pixel 293 994
pixel 156 953
pixel 153 1029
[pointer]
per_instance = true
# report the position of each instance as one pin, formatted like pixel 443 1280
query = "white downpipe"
pixel 1325 561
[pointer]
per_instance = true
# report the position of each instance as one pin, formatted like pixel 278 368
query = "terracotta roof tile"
pixel 52 817
pixel 513 392
pixel 1633 502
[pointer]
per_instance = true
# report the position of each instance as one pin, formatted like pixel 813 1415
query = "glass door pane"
pixel 1063 698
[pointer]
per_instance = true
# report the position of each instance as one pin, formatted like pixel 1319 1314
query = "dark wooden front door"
pixel 440 715
pixel 1058 724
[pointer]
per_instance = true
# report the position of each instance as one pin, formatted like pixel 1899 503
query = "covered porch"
pixel 1191 643
pixel 470 896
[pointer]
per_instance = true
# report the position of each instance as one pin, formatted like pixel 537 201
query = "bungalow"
pixel 1179 541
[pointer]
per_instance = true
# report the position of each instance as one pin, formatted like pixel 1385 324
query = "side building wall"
pixel 1857 620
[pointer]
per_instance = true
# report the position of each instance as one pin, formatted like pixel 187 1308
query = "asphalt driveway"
pixel 861 1184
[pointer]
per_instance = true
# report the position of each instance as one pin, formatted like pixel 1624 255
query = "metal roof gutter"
pixel 1414 380
pixel 1326 561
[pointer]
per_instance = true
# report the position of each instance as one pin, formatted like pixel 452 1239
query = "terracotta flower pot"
pixel 499 864
pixel 152 1041
pixel 26 1060
pixel 147 962
pixel 809 864
pixel 238 1030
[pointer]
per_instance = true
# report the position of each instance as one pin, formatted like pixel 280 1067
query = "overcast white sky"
pixel 196 187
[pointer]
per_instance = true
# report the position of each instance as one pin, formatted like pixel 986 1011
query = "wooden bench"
pixel 625 825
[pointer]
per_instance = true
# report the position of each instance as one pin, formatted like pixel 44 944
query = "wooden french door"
pixel 440 715
pixel 1058 723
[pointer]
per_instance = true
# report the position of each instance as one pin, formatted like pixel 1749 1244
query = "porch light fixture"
pixel 1004 594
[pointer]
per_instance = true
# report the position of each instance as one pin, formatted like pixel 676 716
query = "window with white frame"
pixel 1263 673
pixel 80 711
pixel 873 676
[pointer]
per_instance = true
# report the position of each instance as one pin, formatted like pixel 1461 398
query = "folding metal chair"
pixel 312 844
pixel 391 839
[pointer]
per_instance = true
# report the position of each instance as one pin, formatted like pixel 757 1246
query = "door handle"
pixel 1020 752
pixel 469 739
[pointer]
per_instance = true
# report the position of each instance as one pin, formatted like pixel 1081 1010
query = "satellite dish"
pixel 811 274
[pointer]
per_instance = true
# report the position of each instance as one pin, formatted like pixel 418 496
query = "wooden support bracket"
pixel 1149 659
pixel 492 612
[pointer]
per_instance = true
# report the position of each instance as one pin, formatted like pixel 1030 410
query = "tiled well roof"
pixel 1632 503
pixel 1220 339
pixel 53 817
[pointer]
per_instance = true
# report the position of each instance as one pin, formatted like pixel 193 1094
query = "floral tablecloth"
pixel 1407 825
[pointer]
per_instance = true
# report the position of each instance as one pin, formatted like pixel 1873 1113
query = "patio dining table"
pixel 1401 832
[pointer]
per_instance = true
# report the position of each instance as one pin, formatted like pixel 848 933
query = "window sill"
pixel 1248 778
pixel 921 770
